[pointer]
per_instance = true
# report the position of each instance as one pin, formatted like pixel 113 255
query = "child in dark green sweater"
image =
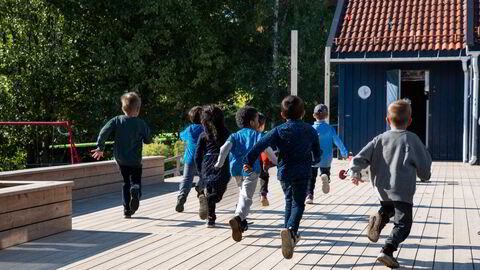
pixel 131 133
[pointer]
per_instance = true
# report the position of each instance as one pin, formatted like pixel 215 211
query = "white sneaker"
pixel 325 183
pixel 309 199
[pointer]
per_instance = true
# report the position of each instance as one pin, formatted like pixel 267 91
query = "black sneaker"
pixel 127 213
pixel 374 227
pixel 202 210
pixel 289 241
pixel 244 226
pixel 135 198
pixel 211 223
pixel 237 228
pixel 180 202
pixel 388 260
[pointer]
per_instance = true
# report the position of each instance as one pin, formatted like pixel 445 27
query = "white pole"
pixel 294 63
pixel 326 93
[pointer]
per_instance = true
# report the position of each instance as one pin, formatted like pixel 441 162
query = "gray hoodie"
pixel 395 158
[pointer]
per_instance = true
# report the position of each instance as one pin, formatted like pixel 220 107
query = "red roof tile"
pixel 402 25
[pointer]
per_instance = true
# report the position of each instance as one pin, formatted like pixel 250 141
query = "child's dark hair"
pixel 194 114
pixel 212 121
pixel 293 107
pixel 245 115
pixel 261 119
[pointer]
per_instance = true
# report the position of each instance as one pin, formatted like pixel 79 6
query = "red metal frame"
pixel 74 158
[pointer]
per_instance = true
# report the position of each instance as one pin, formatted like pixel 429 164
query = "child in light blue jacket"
pixel 327 136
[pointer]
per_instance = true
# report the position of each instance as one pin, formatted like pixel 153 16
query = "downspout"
pixel 465 110
pixel 327 80
pixel 473 159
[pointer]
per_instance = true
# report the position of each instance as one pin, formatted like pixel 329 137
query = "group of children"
pixel 216 155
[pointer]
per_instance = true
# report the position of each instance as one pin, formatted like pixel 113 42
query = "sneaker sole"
pixel 236 232
pixel 180 206
pixel 202 211
pixel 388 263
pixel 372 229
pixel 265 203
pixel 287 249
pixel 325 184
pixel 134 201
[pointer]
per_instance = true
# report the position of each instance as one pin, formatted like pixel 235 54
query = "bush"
pixel 157 149
pixel 178 148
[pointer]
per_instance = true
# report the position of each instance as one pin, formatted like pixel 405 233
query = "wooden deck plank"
pixel 443 236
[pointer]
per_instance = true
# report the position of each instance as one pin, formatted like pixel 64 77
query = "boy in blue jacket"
pixel 190 136
pixel 296 142
pixel 236 147
pixel 327 136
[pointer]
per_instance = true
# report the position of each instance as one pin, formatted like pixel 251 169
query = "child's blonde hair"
pixel 131 103
pixel 400 112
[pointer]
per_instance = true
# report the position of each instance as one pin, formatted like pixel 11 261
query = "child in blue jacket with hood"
pixel 327 136
pixel 190 136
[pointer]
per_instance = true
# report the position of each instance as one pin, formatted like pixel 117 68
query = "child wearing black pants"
pixel 131 133
pixel 208 148
pixel 396 158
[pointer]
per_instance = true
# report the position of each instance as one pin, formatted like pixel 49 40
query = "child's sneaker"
pixel 135 198
pixel 325 183
pixel 309 199
pixel 264 200
pixel 374 227
pixel 210 223
pixel 202 211
pixel 180 203
pixel 127 213
pixel 289 241
pixel 388 260
pixel 238 228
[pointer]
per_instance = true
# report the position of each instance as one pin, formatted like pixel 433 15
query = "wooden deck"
pixel 444 233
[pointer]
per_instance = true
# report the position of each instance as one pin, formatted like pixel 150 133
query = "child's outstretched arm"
pixel 102 137
pixel 147 137
pixel 269 140
pixel 339 144
pixel 361 161
pixel 316 149
pixel 199 153
pixel 423 161
pixel 224 150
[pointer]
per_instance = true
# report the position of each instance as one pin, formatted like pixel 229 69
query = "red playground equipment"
pixel 74 158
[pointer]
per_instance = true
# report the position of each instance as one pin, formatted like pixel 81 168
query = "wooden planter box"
pixel 91 179
pixel 31 210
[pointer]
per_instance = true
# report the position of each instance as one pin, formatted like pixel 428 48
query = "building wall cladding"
pixel 361 120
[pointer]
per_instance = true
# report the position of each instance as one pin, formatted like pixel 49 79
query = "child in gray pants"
pixel 396 158
pixel 238 145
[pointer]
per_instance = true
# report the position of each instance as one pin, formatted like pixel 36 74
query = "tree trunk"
pixel 274 62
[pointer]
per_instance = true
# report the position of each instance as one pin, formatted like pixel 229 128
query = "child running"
pixel 296 141
pixel 327 135
pixel 190 136
pixel 264 164
pixel 130 134
pixel 238 145
pixel 208 149
pixel 396 157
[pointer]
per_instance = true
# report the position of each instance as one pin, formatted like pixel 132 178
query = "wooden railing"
pixel 178 166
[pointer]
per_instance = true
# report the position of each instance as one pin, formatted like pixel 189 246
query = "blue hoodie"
pixel 327 136
pixel 190 136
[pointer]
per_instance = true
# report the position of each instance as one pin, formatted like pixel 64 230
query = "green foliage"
pixel 178 148
pixel 156 149
pixel 71 60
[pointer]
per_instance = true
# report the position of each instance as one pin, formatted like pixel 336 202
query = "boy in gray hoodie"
pixel 396 157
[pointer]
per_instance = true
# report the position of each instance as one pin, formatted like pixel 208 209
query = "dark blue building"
pixel 425 51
